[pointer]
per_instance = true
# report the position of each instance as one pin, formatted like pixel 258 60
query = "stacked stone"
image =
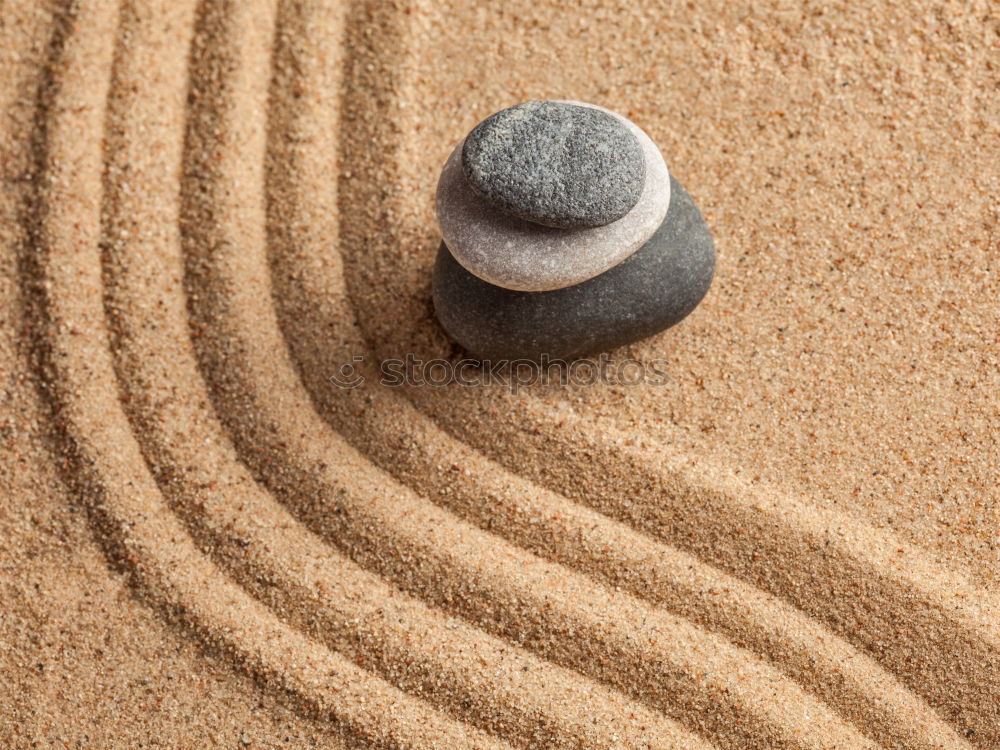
pixel 564 235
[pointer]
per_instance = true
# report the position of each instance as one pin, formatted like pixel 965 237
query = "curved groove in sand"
pixel 884 596
pixel 411 541
pixel 483 680
pixel 103 461
pixel 309 285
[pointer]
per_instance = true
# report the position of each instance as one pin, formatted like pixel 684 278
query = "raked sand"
pixel 208 208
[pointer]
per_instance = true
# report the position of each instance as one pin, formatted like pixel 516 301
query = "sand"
pixel 209 207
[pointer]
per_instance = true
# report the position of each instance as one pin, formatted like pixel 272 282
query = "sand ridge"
pixel 226 213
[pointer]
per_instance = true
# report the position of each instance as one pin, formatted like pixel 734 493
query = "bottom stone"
pixel 654 288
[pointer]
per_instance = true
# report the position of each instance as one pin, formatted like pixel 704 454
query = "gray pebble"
pixel 555 163
pixel 651 290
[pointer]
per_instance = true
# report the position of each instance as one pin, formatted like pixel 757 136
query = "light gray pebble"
pixel 516 254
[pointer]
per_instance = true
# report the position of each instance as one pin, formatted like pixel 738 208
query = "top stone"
pixel 555 163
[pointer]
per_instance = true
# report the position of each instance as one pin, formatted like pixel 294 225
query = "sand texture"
pixel 208 207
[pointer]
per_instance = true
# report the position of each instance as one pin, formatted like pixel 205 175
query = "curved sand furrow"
pixel 882 595
pixel 480 678
pixel 885 596
pixel 102 460
pixel 309 295
pixel 413 542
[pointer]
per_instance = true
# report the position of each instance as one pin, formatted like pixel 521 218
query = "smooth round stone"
pixel 556 163
pixel 517 254
pixel 651 290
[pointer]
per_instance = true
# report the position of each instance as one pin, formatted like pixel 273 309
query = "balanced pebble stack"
pixel 564 235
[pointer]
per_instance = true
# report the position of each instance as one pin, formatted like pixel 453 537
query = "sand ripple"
pixel 374 555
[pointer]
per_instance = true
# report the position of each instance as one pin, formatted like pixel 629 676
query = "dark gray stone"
pixel 555 163
pixel 654 288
